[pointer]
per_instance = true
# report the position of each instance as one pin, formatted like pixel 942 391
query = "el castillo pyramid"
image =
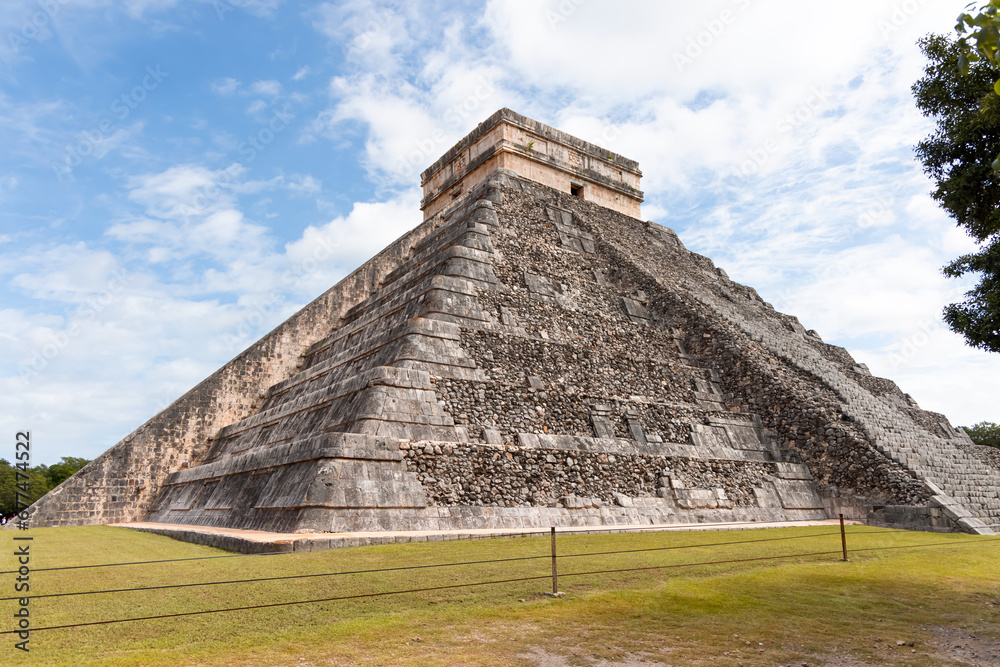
pixel 535 354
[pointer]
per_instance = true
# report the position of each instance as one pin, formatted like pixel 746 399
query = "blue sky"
pixel 177 177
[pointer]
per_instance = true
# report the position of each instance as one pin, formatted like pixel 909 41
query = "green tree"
pixel 38 486
pixel 41 480
pixel 984 433
pixel 979 37
pixel 63 470
pixel 958 94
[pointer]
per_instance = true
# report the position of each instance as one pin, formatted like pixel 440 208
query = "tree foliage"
pixel 984 433
pixel 63 470
pixel 979 41
pixel 979 37
pixel 958 156
pixel 41 480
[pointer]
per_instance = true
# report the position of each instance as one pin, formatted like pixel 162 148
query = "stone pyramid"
pixel 535 354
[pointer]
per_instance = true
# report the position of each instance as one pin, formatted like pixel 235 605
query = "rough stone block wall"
pixel 513 476
pixel 988 455
pixel 817 400
pixel 121 484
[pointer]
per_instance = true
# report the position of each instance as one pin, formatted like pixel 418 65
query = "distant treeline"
pixel 41 480
pixel 984 433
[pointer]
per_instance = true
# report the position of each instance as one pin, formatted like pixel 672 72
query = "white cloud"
pixel 271 88
pixel 263 8
pixel 226 86
pixel 138 8
pixel 888 288
pixel 183 190
pixel 381 107
pixel 32 130
pixel 302 73
pixel 410 117
pixel 371 33
pixel 942 374
pixel 546 41
pixel 193 211
pixel 256 107
pixel 304 184
pixel 123 139
pixel 8 184
pixel 325 254
pixel 65 272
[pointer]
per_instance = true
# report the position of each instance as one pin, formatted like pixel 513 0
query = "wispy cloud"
pixel 226 86
pixel 269 88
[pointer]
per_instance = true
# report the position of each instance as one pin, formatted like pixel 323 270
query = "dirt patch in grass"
pixel 966 646
pixel 936 645
pixel 952 646
pixel 542 658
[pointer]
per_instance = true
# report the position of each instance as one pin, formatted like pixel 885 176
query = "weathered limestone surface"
pixel 528 358
pixel 122 483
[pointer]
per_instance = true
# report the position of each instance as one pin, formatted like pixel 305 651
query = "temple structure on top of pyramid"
pixel 535 354
pixel 542 154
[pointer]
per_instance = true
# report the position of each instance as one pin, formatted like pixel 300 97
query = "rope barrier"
pixel 526 534
pixel 483 583
pixel 410 567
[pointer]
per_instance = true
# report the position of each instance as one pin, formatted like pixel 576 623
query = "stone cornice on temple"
pixel 533 150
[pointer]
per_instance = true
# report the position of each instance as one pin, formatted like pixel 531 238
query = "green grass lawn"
pixel 812 609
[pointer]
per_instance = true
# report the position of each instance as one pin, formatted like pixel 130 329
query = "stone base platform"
pixel 259 542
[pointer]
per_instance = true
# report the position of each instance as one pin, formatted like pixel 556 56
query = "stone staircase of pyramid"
pixel 961 485
pixel 339 442
pixel 964 487
pixel 361 388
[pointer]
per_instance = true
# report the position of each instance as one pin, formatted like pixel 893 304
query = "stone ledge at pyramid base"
pixel 340 482
pixel 941 515
pixel 263 542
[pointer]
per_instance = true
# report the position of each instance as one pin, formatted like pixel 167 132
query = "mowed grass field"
pixel 810 609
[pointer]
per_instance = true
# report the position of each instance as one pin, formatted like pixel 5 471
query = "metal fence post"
pixel 555 576
pixel 843 537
